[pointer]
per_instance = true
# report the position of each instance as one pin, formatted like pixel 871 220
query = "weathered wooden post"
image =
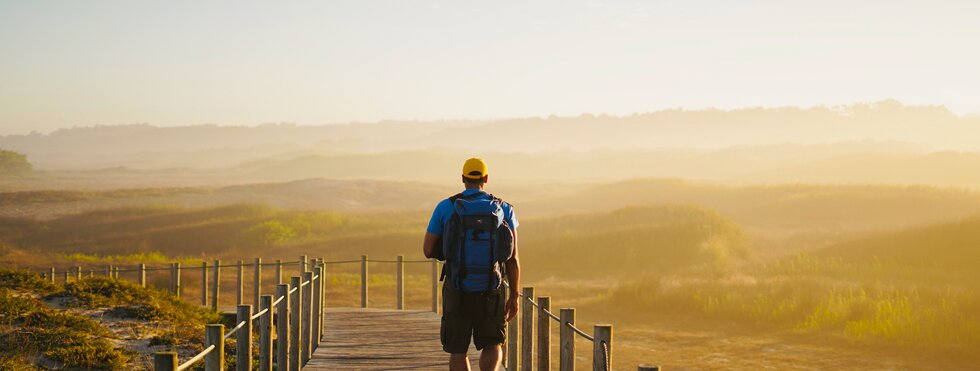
pixel 204 283
pixel 307 321
pixel 323 295
pixel 364 281
pixel 240 288
pixel 142 275
pixel 512 344
pixel 544 334
pixel 78 273
pixel 51 276
pixel 317 305
pixel 115 272
pixel 527 329
pixel 435 286
pixel 566 340
pixel 265 333
pixel 67 276
pixel 177 279
pixel 108 270
pixel 91 273
pixel 294 324
pixel 214 289
pixel 648 368
pixel 400 282
pixel 602 348
pixel 257 281
pixel 214 334
pixel 243 339
pixel 303 264
pixel 165 361
pixel 172 278
pixel 282 328
pixel 279 271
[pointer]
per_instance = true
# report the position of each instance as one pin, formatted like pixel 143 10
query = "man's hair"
pixel 472 182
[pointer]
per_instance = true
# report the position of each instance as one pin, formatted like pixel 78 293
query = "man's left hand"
pixel 511 309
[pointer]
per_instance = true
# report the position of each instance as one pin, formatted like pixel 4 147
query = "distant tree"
pixel 14 163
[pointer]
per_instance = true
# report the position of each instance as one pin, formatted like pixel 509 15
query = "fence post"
pixel 51 277
pixel 204 283
pixel 67 276
pixel 303 261
pixel 566 340
pixel 602 348
pixel 435 286
pixel 177 279
pixel 648 368
pixel 323 294
pixel 364 281
pixel 108 270
pixel 214 289
pixel 257 281
pixel 307 324
pixel 165 361
pixel 215 335
pixel 544 334
pixel 278 271
pixel 317 305
pixel 400 282
pixel 294 325
pixel 243 339
pixel 91 273
pixel 265 333
pixel 142 275
pixel 527 329
pixel 241 283
pixel 78 272
pixel 115 271
pixel 282 328
pixel 172 279
pixel 512 344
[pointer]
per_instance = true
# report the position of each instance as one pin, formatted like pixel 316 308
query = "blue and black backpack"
pixel 476 242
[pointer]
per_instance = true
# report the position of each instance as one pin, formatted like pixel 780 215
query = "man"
pixel 478 253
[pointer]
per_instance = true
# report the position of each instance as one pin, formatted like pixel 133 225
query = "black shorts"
pixel 479 315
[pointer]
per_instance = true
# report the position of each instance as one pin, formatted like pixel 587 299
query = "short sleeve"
pixel 439 217
pixel 510 217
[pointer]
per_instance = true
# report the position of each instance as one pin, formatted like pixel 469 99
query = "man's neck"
pixel 474 188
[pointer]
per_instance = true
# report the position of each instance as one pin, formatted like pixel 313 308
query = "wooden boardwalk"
pixel 381 339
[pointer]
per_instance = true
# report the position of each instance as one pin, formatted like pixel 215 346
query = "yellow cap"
pixel 475 168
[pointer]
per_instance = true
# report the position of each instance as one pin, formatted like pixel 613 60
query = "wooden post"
pixel 435 286
pixel 67 276
pixel 243 339
pixel 265 333
pixel 303 261
pixel 165 361
pixel 544 334
pixel 214 286
pixel 307 324
pixel 602 348
pixel 512 344
pixel 115 272
pixel 108 270
pixel 294 324
pixel 278 271
pixel 257 281
pixel 204 283
pixel 240 298
pixel 648 368
pixel 78 272
pixel 317 306
pixel 527 329
pixel 566 340
pixel 91 273
pixel 51 276
pixel 364 281
pixel 142 275
pixel 400 282
pixel 176 280
pixel 323 295
pixel 282 328
pixel 215 335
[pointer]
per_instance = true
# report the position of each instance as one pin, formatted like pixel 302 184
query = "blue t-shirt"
pixel 444 211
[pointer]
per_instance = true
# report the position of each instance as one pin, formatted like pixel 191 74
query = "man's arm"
pixel 429 245
pixel 514 279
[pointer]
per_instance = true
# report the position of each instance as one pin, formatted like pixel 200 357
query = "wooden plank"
pixel 382 339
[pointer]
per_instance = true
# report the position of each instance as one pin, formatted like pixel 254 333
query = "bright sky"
pixel 312 62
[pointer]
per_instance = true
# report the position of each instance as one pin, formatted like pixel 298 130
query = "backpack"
pixel 476 242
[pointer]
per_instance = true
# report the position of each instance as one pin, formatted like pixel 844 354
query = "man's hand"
pixel 510 310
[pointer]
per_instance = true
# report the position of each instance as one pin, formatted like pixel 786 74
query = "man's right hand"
pixel 510 309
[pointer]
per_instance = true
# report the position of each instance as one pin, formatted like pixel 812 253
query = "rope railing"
pixel 190 362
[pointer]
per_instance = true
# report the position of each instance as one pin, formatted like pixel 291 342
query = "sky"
pixel 83 63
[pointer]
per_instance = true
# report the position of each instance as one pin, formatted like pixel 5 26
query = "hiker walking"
pixel 475 233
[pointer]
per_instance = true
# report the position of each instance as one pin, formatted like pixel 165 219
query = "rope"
pixel 343 261
pixel 259 314
pixel 552 315
pixel 196 358
pixel 293 290
pixel 580 332
pixel 304 284
pixel 278 300
pixel 605 353
pixel 234 330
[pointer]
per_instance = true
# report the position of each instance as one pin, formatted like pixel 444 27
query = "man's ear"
pixel 486 178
